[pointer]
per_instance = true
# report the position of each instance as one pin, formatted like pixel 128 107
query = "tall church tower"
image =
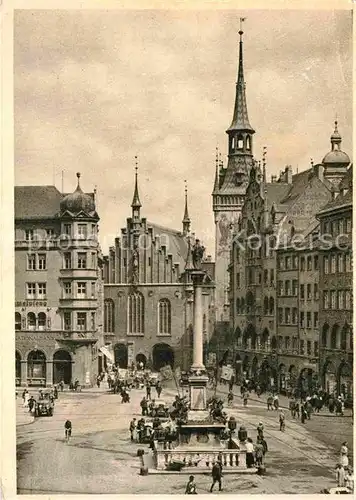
pixel 229 189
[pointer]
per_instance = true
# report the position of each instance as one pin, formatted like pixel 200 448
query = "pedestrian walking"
pixel 98 380
pixel 230 398
pixel 275 402
pixel 264 444
pixel 297 410
pixel 148 391
pixel 340 476
pixel 259 453
pixel 31 403
pixel 144 407
pixel 132 428
pixel 25 398
pixel 67 430
pixel 282 421
pixel 303 414
pixel 191 488
pixel 216 473
pixel 344 451
pixel 245 398
pixel 250 459
pixel 61 385
pixel 270 402
pixel 158 388
pixel 260 430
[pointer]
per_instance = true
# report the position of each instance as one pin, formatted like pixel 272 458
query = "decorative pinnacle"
pixel 312 162
pixel 78 186
pixel 136 199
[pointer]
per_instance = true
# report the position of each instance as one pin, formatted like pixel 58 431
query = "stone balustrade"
pixel 231 459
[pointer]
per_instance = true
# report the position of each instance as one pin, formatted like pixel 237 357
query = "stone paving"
pixel 101 459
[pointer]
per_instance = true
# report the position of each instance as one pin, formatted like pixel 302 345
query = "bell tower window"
pixel 248 143
pixel 240 143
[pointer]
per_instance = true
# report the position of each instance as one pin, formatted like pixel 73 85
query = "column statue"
pixel 197 255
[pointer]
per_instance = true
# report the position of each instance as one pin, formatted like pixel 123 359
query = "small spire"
pixel 216 182
pixel 264 163
pixel 312 162
pixel 186 219
pixel 136 199
pixel 78 185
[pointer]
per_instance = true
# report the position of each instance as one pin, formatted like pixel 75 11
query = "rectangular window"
pixel 265 276
pixel 294 316
pixel 340 263
pixel 341 226
pixel 288 263
pixel 67 260
pixel 287 315
pixel 67 320
pixel 316 291
pixel 333 299
pixel 67 228
pixel 347 300
pixel 280 342
pixel 281 263
pixel 67 289
pixel 280 315
pixel 29 234
pixel 333 264
pixel 280 288
pixel 81 321
pixel 316 349
pixel 93 229
pixel 82 232
pixel 31 291
pixel 326 227
pixel 326 264
pixel 348 263
pixel 93 260
pixel 309 291
pixel 309 320
pixel 295 288
pixel 149 262
pixel 42 261
pixel 92 321
pixel 348 225
pixel 340 300
pixel 272 277
pixel 93 290
pixel 302 324
pixel 287 288
pixel 301 346
pixel 237 280
pixel 50 234
pixel 31 262
pixel 81 290
pixel 316 320
pixel 326 300
pixel 302 291
pixel 82 260
pixel 309 263
pixel 316 262
pixel 302 264
pixel 42 290
pixel 287 343
pixel 295 262
pixel 309 344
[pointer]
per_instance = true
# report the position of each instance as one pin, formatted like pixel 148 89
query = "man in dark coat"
pixel 216 473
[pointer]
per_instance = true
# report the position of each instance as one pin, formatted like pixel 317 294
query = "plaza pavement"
pixel 101 459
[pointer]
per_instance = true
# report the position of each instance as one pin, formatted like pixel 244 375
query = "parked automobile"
pixel 44 407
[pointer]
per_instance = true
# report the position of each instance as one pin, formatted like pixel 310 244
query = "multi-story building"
pixel 335 284
pixel 274 313
pixel 229 193
pixel 148 299
pixel 58 288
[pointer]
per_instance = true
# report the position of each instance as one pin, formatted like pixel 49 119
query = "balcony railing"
pixel 202 459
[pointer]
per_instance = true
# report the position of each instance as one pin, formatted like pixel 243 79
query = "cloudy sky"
pixel 95 88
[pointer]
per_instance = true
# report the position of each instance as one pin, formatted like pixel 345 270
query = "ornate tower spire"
pixel 216 182
pixel 186 219
pixel 136 204
pixel 240 131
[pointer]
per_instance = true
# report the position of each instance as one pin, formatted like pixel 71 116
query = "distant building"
pixel 58 289
pixel 335 284
pixel 275 284
pixel 148 307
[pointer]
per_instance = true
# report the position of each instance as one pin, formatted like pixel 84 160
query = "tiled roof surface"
pixel 37 202
pixel 177 244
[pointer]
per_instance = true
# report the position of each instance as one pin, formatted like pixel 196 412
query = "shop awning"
pixel 108 354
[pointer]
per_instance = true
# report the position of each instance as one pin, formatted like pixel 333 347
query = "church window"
pixel 136 313
pixel 164 317
pixel 109 320
pixel 248 142
pixel 240 142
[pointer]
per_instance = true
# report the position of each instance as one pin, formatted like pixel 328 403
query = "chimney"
pixel 288 174
pixel 319 171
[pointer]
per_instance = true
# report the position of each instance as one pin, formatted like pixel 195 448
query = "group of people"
pixel 29 400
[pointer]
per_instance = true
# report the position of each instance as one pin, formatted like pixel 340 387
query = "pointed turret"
pixel 136 204
pixel 186 219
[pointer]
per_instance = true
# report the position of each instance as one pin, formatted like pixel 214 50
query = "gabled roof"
pixel 341 200
pixel 37 202
pixel 276 192
pixel 177 243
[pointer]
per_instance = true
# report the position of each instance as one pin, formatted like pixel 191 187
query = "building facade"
pixel 148 306
pixel 229 191
pixel 58 289
pixel 275 314
pixel 336 298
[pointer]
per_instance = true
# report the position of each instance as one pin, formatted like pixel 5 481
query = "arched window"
pixel 265 302
pixel 136 313
pixel 31 321
pixel 334 337
pixel 242 305
pixel 248 142
pixel 17 321
pixel 344 332
pixel 204 323
pixel 164 317
pixel 42 321
pixel 240 142
pixel 109 317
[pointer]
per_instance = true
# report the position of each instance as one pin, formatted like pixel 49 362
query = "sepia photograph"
pixel 183 313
